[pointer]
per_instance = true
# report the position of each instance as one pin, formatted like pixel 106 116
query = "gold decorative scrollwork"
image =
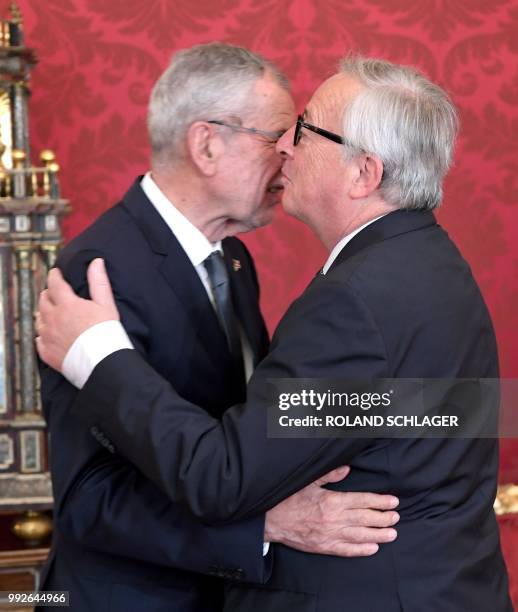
pixel 506 499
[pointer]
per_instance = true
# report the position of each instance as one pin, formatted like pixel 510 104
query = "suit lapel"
pixel 389 226
pixel 244 299
pixel 178 271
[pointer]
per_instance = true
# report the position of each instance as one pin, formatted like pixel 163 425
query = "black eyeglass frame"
pixel 313 128
pixel 270 136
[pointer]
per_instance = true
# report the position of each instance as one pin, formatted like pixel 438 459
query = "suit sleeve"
pixel 228 470
pixel 105 503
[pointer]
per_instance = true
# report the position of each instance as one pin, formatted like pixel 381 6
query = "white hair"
pixel 408 122
pixel 204 82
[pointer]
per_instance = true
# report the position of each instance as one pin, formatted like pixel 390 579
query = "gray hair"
pixel 406 121
pixel 209 81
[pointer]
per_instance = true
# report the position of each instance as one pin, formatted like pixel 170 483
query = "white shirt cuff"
pixel 266 548
pixel 91 347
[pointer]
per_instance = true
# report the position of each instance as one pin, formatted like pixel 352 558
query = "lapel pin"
pixel 236 265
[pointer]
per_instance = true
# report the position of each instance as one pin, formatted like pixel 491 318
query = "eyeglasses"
pixel 270 136
pixel 302 124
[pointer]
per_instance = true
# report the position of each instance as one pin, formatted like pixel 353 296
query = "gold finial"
pixel 47 156
pixel 53 167
pixel 16 14
pixel 32 527
pixel 18 158
pixel 506 499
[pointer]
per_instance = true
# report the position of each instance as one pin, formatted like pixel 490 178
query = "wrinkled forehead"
pixel 327 104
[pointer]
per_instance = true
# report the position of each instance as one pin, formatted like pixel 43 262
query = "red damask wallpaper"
pixel 98 60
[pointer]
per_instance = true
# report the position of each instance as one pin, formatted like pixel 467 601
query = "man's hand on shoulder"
pixel 62 316
pixel 325 522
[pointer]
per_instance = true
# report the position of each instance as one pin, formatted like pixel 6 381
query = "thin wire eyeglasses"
pixel 270 136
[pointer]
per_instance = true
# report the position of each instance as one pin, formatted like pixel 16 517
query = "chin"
pixel 265 218
pixel 262 216
pixel 289 208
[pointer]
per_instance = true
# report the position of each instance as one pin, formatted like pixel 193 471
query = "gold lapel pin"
pixel 236 265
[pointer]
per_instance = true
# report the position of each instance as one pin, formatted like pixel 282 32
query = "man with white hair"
pixel 187 294
pixel 364 167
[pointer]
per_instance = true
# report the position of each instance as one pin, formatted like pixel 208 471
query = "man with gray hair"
pixel 363 167
pixel 187 294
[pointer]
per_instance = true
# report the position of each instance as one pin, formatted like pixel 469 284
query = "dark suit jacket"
pixel 399 301
pixel 119 543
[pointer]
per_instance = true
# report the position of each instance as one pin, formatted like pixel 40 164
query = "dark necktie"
pixel 220 285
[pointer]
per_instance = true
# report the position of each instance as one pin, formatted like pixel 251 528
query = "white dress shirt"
pixel 341 244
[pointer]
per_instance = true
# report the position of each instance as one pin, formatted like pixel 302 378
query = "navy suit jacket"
pixel 119 543
pixel 399 301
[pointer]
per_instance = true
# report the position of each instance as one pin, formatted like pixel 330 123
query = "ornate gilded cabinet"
pixel 30 235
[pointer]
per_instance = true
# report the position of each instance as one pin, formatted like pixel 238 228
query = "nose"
pixel 284 145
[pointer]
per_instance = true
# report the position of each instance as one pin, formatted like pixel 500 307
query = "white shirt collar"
pixel 340 245
pixel 192 241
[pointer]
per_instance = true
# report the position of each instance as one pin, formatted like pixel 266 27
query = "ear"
pixel 367 176
pixel 204 146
